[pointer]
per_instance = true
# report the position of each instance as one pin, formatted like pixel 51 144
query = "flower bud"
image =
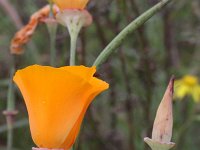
pixel 162 128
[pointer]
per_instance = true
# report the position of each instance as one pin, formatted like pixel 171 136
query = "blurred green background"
pixel 138 73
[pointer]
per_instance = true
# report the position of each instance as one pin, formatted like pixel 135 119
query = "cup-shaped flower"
pixel 71 4
pixel 56 100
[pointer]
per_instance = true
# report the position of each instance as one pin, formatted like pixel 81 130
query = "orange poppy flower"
pixel 24 35
pixel 71 4
pixel 56 100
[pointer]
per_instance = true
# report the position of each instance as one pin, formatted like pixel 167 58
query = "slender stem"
pixel 52 29
pixel 74 20
pixel 10 112
pixel 73 42
pixel 52 48
pixel 10 107
pixel 9 134
pixel 116 42
pixel 51 9
pixel 52 33
pixel 10 95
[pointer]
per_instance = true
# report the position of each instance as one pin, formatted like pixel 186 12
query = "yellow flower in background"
pixel 56 100
pixel 71 4
pixel 187 86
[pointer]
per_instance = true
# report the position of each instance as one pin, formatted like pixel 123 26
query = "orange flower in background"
pixel 56 100
pixel 71 4
pixel 24 35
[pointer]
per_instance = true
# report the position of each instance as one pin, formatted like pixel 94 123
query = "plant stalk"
pixel 73 41
pixel 10 112
pixel 52 29
pixel 116 42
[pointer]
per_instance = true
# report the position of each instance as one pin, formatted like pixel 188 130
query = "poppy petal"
pixel 56 99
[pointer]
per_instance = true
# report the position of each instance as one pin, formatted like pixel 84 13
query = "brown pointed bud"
pixel 162 127
pixel 163 124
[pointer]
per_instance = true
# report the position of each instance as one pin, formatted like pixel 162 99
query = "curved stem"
pixel 116 42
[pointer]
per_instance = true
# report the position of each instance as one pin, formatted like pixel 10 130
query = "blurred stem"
pixel 128 102
pixel 172 55
pixel 116 42
pixel 9 136
pixel 51 9
pixel 189 118
pixel 52 28
pixel 10 95
pixel 10 107
pixel 183 129
pixel 53 49
pixel 10 112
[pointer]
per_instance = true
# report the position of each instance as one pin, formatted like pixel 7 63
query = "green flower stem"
pixel 10 95
pixel 10 112
pixel 9 137
pixel 74 28
pixel 116 42
pixel 73 42
pixel 52 29
pixel 10 107
pixel 53 49
pixel 74 20
pixel 51 9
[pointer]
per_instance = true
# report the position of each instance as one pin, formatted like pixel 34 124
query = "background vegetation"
pixel 119 119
